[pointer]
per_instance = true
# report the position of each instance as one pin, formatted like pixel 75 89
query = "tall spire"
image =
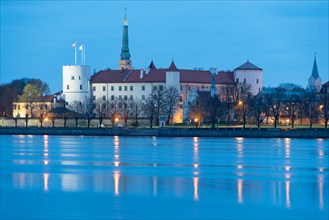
pixel 125 62
pixel 315 82
pixel 315 72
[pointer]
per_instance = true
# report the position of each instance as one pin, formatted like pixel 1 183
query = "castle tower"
pixel 251 74
pixel 315 82
pixel 76 84
pixel 125 62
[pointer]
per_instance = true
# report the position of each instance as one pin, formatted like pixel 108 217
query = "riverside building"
pixel 127 83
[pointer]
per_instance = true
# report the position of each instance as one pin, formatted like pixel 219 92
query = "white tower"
pixel 76 83
pixel 251 74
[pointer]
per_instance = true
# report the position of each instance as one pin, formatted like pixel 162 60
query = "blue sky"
pixel 278 36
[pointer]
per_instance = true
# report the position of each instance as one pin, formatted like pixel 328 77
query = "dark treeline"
pixel 11 92
pixel 236 105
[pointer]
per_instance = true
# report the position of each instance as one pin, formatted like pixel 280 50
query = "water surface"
pixel 52 177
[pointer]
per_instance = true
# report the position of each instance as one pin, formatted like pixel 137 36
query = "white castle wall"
pixel 253 77
pixel 107 90
pixel 76 83
pixel 173 80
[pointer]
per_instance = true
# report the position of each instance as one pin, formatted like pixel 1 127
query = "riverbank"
pixel 172 132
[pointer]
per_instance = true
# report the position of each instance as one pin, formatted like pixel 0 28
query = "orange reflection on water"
pixel 240 188
pixel 116 177
pixel 196 188
pixel 45 181
pixel 287 146
pixel 288 194
pixel 320 182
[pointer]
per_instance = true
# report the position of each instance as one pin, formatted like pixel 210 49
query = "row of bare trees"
pixel 161 102
pixel 237 104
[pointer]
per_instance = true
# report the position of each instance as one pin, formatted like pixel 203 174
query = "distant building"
pixel 34 108
pixel 325 88
pixel 315 82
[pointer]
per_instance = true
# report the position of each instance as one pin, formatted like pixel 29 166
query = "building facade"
pixel 128 83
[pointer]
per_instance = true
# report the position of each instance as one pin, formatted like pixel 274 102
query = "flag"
pixel 74 44
pixel 81 47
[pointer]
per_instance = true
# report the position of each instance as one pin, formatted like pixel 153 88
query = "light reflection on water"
pixel 200 173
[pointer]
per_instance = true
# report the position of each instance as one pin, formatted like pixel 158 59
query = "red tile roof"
pixel 159 75
pixel 248 66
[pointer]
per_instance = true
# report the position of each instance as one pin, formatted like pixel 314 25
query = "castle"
pixel 128 83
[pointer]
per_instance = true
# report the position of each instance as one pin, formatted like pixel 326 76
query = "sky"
pixel 281 37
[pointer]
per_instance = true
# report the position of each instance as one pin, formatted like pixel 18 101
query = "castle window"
pixel 68 87
pixel 112 97
pixel 72 77
pixel 189 88
pixel 120 88
pixel 14 107
pixel 143 88
pixel 112 88
pixel 120 97
pixel 244 80
pixel 125 97
pixel 94 88
pixel 160 88
pixel 181 98
pixel 79 77
pixel 80 87
pixel 131 88
pixel 104 105
pixel 126 88
pixel 131 105
pixel 104 97
pixel 237 80
pixel 181 87
pixel 104 88
pixel 94 97
pixel 155 88
pixel 46 107
pixel 143 97
pixel 131 97
pixel 18 107
pixel 258 89
pixel 257 81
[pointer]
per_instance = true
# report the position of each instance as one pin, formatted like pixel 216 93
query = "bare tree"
pixel 198 108
pixel 101 108
pixel 149 109
pixel 324 107
pixel 137 110
pixel 88 110
pixel 114 110
pixel 274 100
pixel 243 97
pixel 215 107
pixel 310 105
pixel 258 108
pixel 171 101
pixel 229 99
pixel 158 99
pixel 126 110
pixel 41 113
pixel 78 108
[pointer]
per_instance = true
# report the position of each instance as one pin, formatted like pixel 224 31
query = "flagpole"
pixel 75 55
pixel 84 54
pixel 81 54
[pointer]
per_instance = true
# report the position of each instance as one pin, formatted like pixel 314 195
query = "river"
pixel 82 177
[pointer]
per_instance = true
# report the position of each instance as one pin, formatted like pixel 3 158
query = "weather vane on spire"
pixel 125 20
